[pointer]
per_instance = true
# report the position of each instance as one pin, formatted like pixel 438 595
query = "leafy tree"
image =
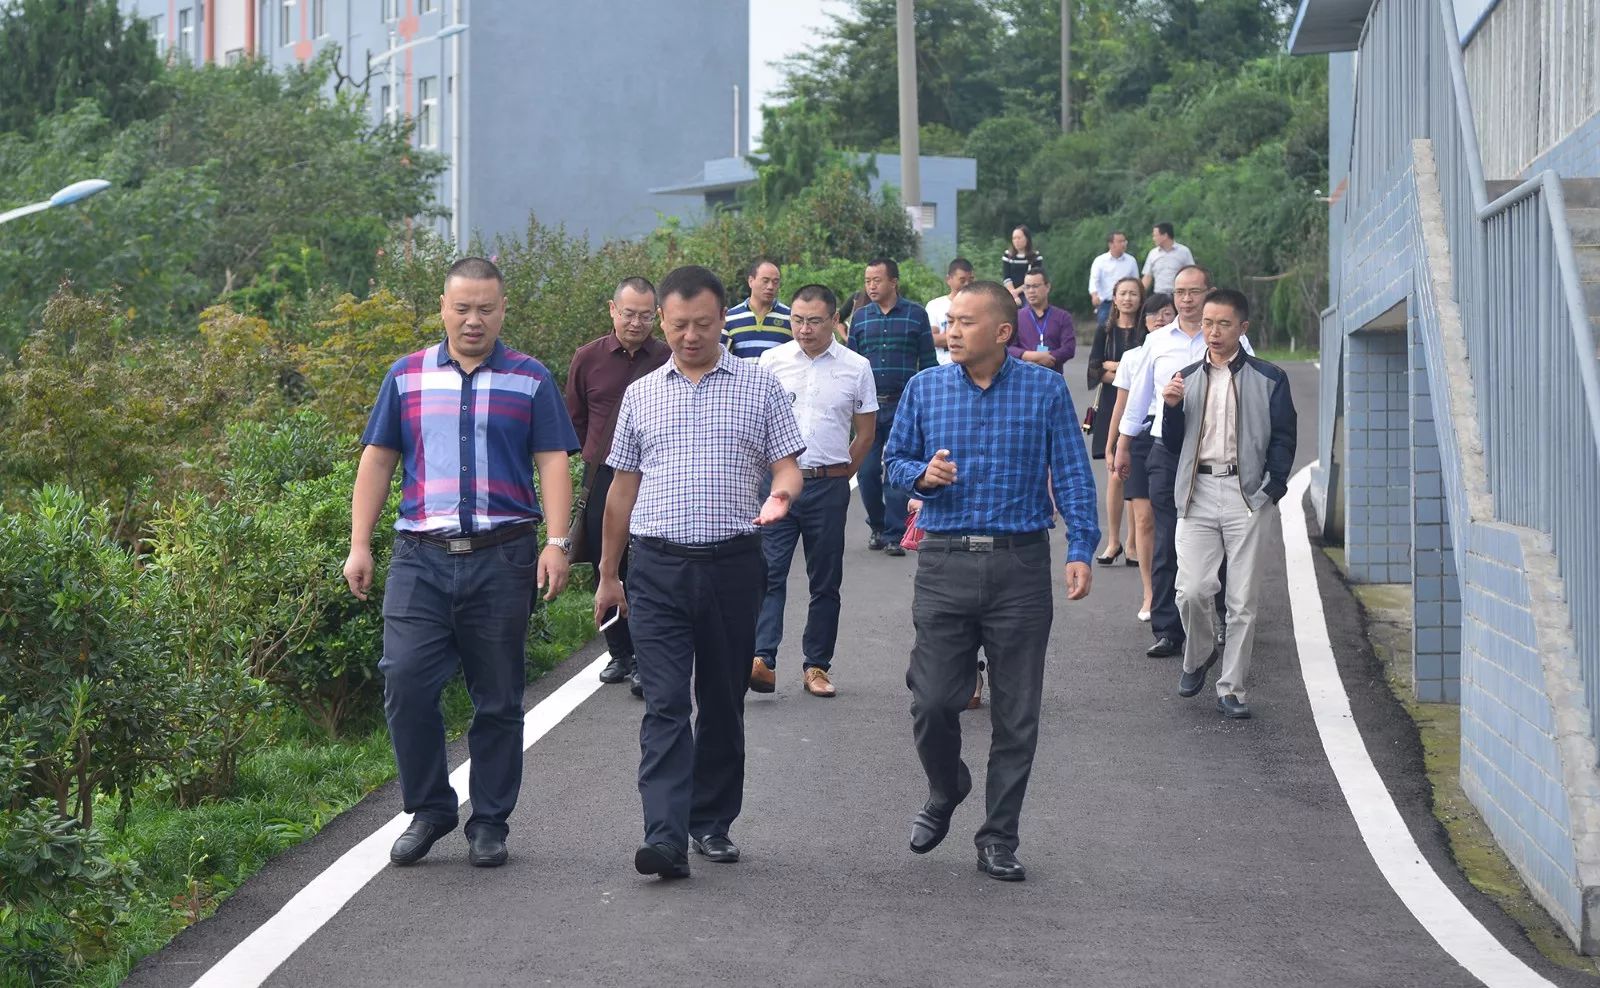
pixel 54 53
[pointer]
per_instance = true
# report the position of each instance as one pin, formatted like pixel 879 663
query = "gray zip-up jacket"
pixel 1264 417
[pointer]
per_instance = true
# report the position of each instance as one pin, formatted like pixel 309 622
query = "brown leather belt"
pixel 458 544
pixel 833 470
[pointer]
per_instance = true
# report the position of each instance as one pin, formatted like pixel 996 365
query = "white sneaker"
pixel 1144 616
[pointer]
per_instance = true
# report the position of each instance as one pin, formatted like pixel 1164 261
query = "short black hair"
pixel 817 293
pixel 1155 303
pixel 998 296
pixel 1195 267
pixel 959 264
pixel 1233 298
pixel 755 265
pixel 1114 234
pixel 691 281
pixel 889 266
pixel 1040 271
pixel 475 269
pixel 637 283
pixel 1165 228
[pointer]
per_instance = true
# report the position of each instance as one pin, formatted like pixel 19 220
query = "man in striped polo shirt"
pixel 468 419
pixel 760 322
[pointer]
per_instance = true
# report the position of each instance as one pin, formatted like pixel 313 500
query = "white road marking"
pixel 1385 833
pixel 263 951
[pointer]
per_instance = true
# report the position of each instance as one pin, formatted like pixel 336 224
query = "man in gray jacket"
pixel 1231 422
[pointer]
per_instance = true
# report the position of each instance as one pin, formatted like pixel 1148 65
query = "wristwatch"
pixel 565 545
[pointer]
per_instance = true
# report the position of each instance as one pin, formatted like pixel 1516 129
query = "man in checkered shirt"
pixel 695 442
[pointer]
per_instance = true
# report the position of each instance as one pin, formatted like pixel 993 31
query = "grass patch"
pixel 192 859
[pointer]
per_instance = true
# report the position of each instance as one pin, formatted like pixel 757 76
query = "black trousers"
pixel 693 620
pixel 1162 467
pixel 619 642
pixel 1001 601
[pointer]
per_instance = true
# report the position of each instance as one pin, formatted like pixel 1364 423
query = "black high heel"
pixel 1109 560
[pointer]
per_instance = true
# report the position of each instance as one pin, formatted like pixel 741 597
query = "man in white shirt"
pixel 1165 260
pixel 834 393
pixel 1108 269
pixel 1166 351
pixel 956 277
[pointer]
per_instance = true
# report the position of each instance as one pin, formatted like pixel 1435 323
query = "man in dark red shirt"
pixel 598 375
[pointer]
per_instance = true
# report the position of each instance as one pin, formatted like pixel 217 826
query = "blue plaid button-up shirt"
pixel 1006 442
pixel 897 343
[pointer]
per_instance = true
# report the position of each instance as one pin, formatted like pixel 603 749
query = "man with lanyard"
pixel 983 442
pixel 1166 351
pixel 833 393
pixel 894 335
pixel 1108 269
pixel 1044 335
pixel 466 555
pixel 599 373
pixel 760 322
pixel 695 443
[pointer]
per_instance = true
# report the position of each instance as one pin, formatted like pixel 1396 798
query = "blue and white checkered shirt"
pixel 703 449
pixel 1006 442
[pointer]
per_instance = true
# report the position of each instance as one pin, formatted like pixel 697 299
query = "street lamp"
pixel 388 56
pixel 70 194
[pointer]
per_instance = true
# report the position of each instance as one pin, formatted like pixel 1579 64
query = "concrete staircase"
pixel 1583 220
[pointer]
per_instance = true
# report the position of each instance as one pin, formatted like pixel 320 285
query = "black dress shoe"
pixel 619 668
pixel 929 827
pixel 661 859
pixel 635 684
pixel 999 861
pixel 1191 683
pixel 1233 708
pixel 716 847
pixel 894 549
pixel 1164 648
pixel 413 845
pixel 875 541
pixel 486 850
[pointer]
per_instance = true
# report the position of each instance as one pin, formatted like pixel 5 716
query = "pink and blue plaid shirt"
pixel 467 440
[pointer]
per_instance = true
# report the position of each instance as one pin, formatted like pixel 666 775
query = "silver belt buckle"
pixel 980 543
pixel 458 545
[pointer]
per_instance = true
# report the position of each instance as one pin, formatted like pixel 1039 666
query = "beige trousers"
pixel 1219 525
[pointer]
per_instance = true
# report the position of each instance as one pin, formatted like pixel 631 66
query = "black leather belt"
pixel 1218 469
pixel 710 550
pixel 831 471
pixel 980 543
pixel 459 544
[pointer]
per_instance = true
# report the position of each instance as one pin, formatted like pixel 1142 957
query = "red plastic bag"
pixel 914 532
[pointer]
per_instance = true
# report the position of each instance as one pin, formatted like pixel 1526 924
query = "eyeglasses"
pixel 810 322
pixel 631 315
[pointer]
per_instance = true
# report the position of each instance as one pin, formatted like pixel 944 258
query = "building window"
pixel 285 22
pixel 391 10
pixel 158 32
pixel 318 23
pixel 185 35
pixel 233 56
pixel 427 6
pixel 428 116
pixel 385 104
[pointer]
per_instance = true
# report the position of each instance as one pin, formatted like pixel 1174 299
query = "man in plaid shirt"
pixel 977 440
pixel 894 334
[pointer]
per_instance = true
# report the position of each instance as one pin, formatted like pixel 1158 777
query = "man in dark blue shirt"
pixel 894 335
pixel 977 440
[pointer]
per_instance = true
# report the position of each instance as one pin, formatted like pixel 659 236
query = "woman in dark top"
pixel 1122 331
pixel 1016 261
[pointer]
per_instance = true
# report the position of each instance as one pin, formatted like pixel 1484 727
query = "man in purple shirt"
pixel 1044 332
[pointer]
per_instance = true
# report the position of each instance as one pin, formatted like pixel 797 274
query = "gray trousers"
pixel 1219 527
pixel 1000 601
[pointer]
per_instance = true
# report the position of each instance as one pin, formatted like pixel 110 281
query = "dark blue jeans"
pixel 816 517
pixel 441 611
pixel 1102 312
pixel 693 620
pixel 886 506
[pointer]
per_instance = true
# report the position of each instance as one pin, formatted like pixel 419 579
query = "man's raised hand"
pixel 941 472
pixel 1172 394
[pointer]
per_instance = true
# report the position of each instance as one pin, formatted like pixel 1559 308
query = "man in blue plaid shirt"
pixel 980 441
pixel 894 335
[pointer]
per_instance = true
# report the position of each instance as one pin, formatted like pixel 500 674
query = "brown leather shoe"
pixel 818 684
pixel 976 703
pixel 762 678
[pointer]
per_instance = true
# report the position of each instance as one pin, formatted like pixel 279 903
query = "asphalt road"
pixel 1164 844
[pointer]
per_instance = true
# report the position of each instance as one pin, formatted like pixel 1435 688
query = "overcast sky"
pixel 778 29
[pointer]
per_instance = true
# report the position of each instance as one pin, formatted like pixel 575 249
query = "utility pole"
pixel 1066 66
pixel 910 150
